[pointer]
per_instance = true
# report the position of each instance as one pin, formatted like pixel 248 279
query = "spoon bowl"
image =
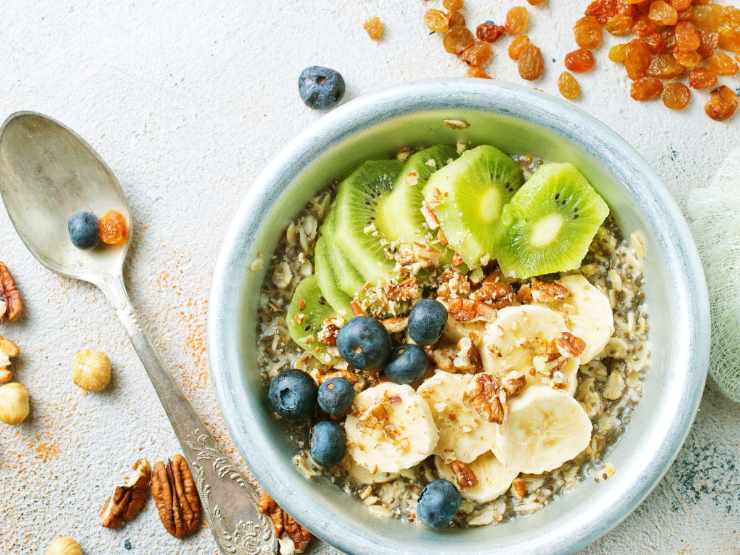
pixel 48 174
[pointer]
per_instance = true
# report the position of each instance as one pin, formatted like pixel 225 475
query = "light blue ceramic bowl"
pixel 515 119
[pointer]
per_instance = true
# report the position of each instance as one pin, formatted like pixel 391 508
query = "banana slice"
pixel 543 429
pixel 363 477
pixel 587 313
pixel 390 428
pixel 517 336
pixel 492 478
pixel 455 331
pixel 463 433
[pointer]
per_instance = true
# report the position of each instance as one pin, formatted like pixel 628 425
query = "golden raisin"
pixel 374 28
pixel 568 86
pixel 477 55
pixel 722 64
pixel 619 25
pixel 531 64
pixel 517 46
pixel 729 39
pixel 602 10
pixel 665 66
pixel 588 32
pixel 643 27
pixel 709 42
pixel 113 229
pixel 662 13
pixel 676 96
pixel 436 21
pixel 580 60
pixel 687 37
pixel 489 31
pixel 722 103
pixel 688 60
pixel 455 19
pixel 475 71
pixel 708 17
pixel 681 5
pixel 617 53
pixel 646 88
pixel 453 5
pixel 517 20
pixel 537 2
pixel 637 59
pixel 702 78
pixel 457 40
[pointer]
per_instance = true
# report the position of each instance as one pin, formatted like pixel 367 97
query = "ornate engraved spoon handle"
pixel 229 500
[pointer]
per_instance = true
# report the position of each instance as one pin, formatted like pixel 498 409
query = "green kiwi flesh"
pixel 549 223
pixel 356 235
pixel 398 216
pixel 338 299
pixel 307 312
pixel 347 277
pixel 467 197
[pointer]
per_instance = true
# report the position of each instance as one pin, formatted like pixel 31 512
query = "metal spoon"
pixel 47 173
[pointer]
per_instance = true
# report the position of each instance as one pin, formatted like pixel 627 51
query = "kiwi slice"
pixel 357 198
pixel 550 223
pixel 467 196
pixel 338 299
pixel 398 216
pixel 306 314
pixel 347 278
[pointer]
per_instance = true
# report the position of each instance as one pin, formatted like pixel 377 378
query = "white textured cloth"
pixel 714 215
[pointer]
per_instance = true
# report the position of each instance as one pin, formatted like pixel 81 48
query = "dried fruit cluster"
pixel 672 39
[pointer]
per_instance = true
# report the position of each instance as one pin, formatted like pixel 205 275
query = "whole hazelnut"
pixel 64 546
pixel 91 370
pixel 14 403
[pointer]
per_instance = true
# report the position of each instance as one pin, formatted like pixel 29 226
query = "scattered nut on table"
pixel 293 537
pixel 11 304
pixel 176 497
pixel 128 499
pixel 8 350
pixel 64 546
pixel 14 403
pixel 91 370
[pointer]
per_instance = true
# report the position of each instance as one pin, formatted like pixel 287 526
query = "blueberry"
pixel 438 503
pixel 320 87
pixel 407 364
pixel 336 396
pixel 426 321
pixel 327 443
pixel 364 343
pixel 292 394
pixel 83 230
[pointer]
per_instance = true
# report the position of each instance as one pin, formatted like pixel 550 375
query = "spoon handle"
pixel 229 500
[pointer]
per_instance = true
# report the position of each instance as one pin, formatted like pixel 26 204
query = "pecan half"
pixel 548 291
pixel 285 524
pixel 128 499
pixel 464 475
pixel 484 398
pixel 174 493
pixel 11 304
pixel 570 345
pixel 462 310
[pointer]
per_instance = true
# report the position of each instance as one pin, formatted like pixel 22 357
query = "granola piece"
pixel 484 398
pixel 11 304
pixel 176 497
pixel 128 499
pixel 464 475
pixel 286 527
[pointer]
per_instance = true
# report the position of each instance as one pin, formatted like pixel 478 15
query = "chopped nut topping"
pixel 462 310
pixel 569 345
pixel 464 475
pixel 174 493
pixel 283 523
pixel 327 335
pixel 395 325
pixel 443 358
pixel 11 304
pixel 494 292
pixel 484 398
pixel 519 487
pixel 468 357
pixel 514 386
pixel 129 499
pixel 524 295
pixel 547 291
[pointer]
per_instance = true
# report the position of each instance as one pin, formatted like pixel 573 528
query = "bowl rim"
pixel 510 100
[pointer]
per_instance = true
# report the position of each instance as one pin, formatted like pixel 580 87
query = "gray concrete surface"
pixel 187 101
